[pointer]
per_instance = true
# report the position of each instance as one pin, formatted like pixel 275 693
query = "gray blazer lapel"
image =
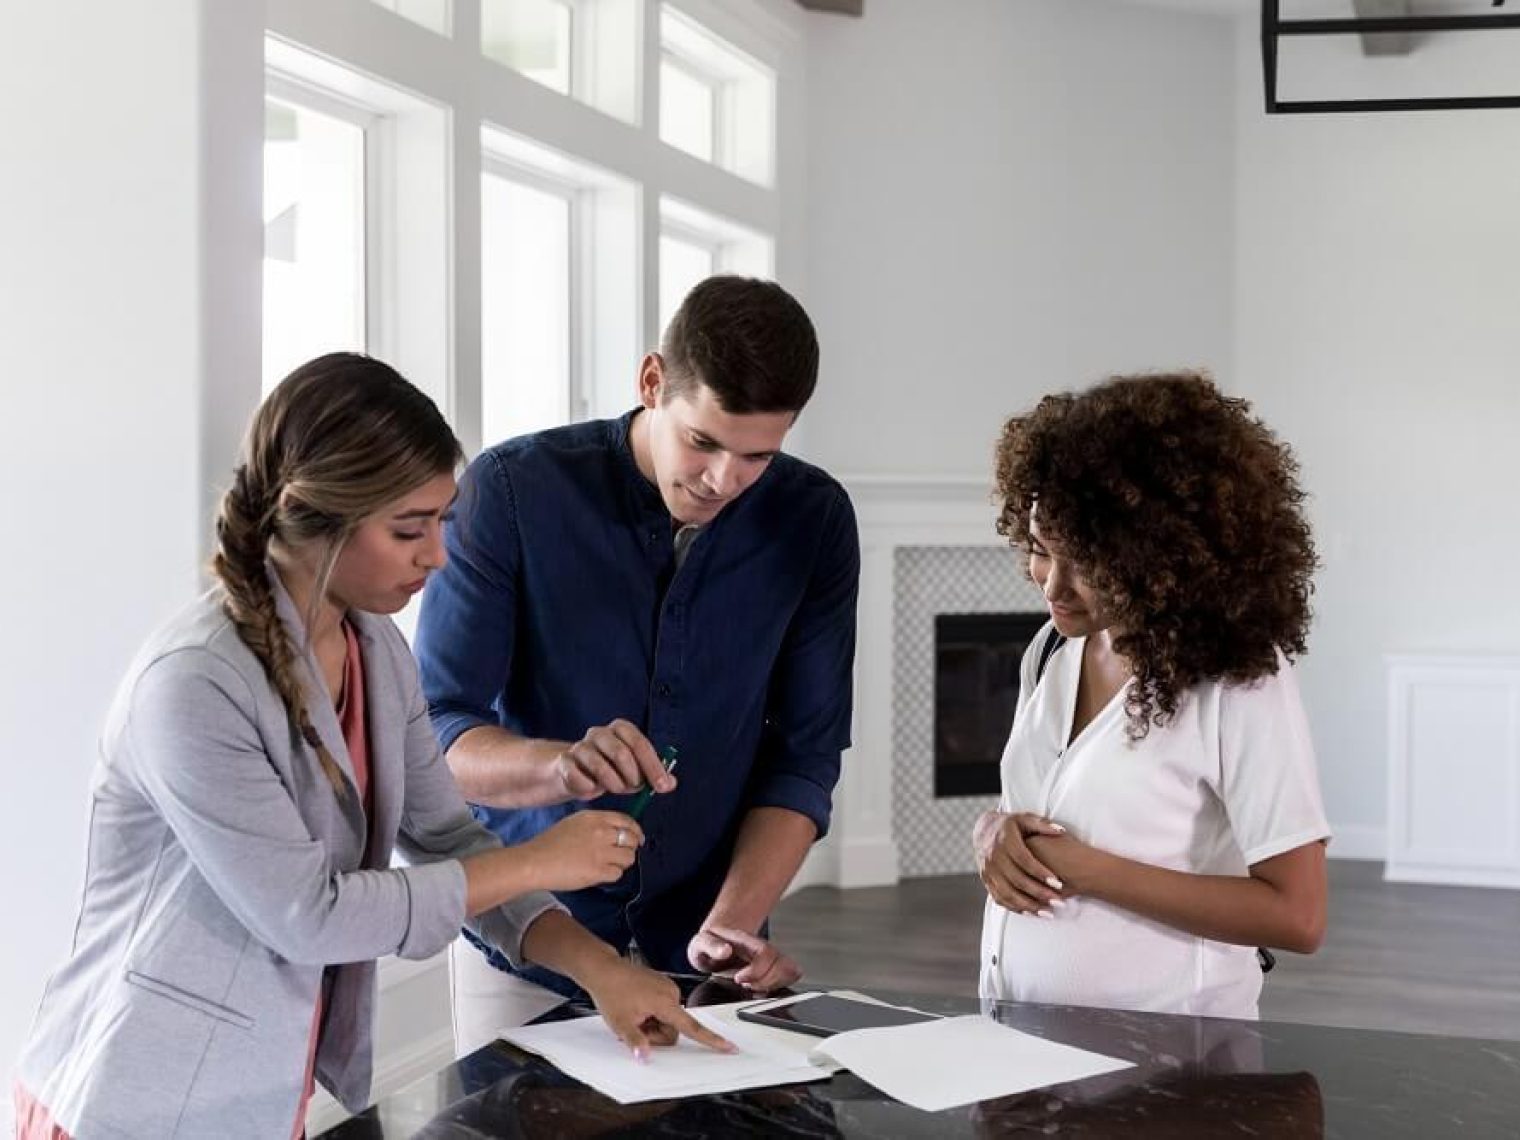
pixel 319 706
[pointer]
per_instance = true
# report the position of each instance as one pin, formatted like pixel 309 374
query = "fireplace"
pixel 932 833
pixel 976 690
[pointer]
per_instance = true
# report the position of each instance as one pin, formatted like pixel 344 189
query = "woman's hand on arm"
pixel 641 1007
pixel 1015 877
pixel 1282 903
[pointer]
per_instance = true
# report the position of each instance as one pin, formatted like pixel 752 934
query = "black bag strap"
pixel 1053 641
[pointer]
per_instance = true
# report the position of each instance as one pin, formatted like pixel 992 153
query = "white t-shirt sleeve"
pixel 1268 779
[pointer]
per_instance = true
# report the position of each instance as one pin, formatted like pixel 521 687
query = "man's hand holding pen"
pixel 614 759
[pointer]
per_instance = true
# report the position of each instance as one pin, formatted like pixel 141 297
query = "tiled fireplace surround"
pixel 927 546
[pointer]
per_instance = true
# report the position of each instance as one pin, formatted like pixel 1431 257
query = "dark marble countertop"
pixel 1193 1077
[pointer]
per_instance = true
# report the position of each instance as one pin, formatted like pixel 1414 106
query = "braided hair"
pixel 337 439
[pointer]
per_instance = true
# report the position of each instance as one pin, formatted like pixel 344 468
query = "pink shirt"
pixel 356 738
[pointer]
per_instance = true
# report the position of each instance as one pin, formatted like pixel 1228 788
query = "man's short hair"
pixel 748 340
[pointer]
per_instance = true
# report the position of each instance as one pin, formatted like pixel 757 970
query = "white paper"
pixel 586 1049
pixel 959 1060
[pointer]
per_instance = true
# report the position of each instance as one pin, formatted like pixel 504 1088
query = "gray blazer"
pixel 223 874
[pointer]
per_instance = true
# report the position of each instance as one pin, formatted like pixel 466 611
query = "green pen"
pixel 641 800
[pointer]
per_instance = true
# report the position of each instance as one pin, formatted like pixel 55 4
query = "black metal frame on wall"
pixel 1273 27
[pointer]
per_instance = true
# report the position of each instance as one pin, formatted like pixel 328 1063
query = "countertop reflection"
pixel 1192 1077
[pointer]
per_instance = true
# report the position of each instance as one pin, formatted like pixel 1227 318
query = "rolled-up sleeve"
pixel 465 630
pixel 196 753
pixel 436 824
pixel 807 722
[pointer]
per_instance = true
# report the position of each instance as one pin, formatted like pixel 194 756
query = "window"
pixel 695 244
pixel 587 49
pixel 431 14
pixel 525 308
pixel 314 227
pixel 530 36
pixel 559 295
pixel 684 261
pixel 356 220
pixel 688 107
pixel 716 102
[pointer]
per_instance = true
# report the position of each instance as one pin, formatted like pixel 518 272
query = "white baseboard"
pixel 862 863
pixel 867 863
pixel 1358 841
pixel 1499 879
pixel 819 869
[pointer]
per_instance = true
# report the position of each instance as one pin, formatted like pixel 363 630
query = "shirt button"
pixel 663 689
pixel 654 537
pixel 994 959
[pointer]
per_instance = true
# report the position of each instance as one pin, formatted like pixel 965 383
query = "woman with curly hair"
pixel 1160 813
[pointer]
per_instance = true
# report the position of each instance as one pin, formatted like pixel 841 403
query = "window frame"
pixel 281 86
pixel 472 94
pixel 575 194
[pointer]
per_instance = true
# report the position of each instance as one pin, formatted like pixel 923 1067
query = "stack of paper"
pixel 932 1065
pixel 586 1050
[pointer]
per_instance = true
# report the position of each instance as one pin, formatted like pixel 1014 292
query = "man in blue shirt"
pixel 667 582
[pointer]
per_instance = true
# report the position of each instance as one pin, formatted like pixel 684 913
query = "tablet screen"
pixel 826 1015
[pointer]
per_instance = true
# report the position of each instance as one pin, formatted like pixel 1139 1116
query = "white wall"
pixel 1378 310
pixel 1010 198
pixel 1007 198
pixel 106 268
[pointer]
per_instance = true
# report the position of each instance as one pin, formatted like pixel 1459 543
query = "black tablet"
pixel 826 1015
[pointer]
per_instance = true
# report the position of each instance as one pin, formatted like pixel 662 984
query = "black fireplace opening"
pixel 976 689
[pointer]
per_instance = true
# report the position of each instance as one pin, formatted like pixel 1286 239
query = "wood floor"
pixel 1414 958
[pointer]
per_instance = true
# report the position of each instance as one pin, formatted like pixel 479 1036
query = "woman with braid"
pixel 267 751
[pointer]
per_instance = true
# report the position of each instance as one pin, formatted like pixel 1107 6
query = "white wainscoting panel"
pixel 1454 770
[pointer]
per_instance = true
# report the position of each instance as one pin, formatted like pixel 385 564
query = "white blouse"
pixel 1229 782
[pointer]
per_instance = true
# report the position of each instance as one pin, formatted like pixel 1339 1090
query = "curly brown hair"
pixel 1183 513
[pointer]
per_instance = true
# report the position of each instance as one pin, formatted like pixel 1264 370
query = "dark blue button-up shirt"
pixel 562 608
